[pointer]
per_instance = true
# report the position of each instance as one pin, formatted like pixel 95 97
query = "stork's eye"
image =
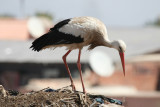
pixel 120 49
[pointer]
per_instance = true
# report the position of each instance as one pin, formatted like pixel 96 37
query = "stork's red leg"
pixel 66 65
pixel 80 71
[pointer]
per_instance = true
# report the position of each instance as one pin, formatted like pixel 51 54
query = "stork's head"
pixel 121 47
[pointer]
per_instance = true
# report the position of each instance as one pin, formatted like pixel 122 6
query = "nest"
pixel 48 97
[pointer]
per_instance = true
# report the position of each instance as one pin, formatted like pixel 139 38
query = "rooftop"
pixel 139 41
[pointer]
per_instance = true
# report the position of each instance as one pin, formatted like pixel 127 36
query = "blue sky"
pixel 123 13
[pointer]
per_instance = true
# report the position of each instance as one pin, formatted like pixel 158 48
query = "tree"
pixel 155 22
pixel 46 15
pixel 6 16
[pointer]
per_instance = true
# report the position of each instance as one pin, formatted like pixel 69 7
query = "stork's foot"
pixel 84 91
pixel 73 87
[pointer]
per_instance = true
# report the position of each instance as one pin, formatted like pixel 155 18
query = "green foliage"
pixel 6 16
pixel 46 15
pixel 155 22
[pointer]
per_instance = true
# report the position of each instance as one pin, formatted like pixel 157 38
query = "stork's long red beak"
pixel 122 61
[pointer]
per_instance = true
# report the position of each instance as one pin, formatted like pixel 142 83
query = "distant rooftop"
pixel 13 29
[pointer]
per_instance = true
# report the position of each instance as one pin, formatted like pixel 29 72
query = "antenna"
pixel 101 63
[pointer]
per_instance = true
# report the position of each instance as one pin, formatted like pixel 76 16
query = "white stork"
pixel 75 33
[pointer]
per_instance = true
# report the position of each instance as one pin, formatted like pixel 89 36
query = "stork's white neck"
pixel 111 44
pixel 108 43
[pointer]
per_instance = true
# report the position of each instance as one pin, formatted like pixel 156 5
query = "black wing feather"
pixel 60 24
pixel 54 37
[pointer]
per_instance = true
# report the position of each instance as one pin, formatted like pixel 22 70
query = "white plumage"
pixel 74 29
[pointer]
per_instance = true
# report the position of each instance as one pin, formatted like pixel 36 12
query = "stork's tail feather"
pixel 39 43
